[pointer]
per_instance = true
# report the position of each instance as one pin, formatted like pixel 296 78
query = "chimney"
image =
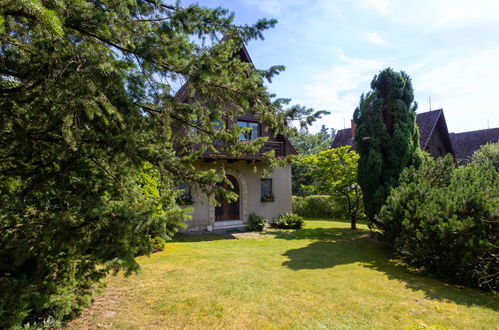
pixel 353 126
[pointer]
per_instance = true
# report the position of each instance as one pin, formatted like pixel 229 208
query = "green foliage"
pixel 443 219
pixel 93 137
pixel 158 244
pixel 386 136
pixel 306 144
pixel 256 222
pixel 487 154
pixel 288 221
pixel 317 206
pixel 334 172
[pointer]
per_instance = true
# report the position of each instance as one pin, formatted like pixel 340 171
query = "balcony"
pixel 277 146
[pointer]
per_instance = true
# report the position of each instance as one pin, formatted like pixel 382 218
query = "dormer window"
pixel 252 134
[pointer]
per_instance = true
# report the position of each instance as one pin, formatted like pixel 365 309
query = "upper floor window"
pixel 252 134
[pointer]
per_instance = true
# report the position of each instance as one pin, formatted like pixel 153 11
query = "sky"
pixel 333 48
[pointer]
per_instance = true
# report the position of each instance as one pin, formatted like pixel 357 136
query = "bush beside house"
pixel 256 222
pixel 288 221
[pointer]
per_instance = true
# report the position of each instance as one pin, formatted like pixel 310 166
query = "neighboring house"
pixel 435 138
pixel 266 195
pixel 345 137
pixel 466 143
pixel 433 134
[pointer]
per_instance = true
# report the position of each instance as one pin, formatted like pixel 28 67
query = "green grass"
pixel 324 276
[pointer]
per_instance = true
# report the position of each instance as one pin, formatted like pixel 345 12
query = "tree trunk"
pixel 353 223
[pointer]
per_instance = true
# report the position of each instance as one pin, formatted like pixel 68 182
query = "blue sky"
pixel 332 49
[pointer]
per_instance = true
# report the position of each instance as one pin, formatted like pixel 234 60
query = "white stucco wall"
pixel 248 177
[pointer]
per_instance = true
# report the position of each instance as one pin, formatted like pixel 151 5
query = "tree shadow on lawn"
pixel 203 237
pixel 323 234
pixel 356 246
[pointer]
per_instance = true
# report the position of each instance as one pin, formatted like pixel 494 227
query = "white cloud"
pixel 465 87
pixel 457 13
pixel 380 5
pixel 374 38
pixel 338 88
pixel 276 7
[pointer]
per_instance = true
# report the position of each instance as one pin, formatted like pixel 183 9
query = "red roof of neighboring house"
pixel 343 138
pixel 461 145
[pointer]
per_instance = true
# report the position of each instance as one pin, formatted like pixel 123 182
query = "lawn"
pixel 324 276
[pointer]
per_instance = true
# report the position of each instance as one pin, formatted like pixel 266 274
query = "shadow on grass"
pixel 323 234
pixel 338 249
pixel 204 237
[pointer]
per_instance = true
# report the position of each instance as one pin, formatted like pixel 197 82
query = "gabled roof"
pixel 427 122
pixel 343 138
pixel 182 95
pixel 466 143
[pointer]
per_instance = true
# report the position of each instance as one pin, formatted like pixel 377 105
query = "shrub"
pixel 443 219
pixel 318 206
pixel 256 222
pixel 158 243
pixel 288 221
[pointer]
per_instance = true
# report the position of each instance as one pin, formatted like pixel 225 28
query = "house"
pixel 266 194
pixel 466 143
pixel 344 137
pixel 433 134
pixel 435 138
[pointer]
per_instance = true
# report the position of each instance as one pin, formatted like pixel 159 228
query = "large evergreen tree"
pixel 386 136
pixel 93 139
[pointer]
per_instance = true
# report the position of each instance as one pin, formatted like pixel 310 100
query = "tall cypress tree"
pixel 386 136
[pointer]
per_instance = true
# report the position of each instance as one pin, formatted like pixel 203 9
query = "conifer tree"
pixel 386 137
pixel 93 138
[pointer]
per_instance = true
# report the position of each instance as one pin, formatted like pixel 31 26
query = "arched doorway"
pixel 228 210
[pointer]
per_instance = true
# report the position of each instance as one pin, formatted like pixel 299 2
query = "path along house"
pixel 266 194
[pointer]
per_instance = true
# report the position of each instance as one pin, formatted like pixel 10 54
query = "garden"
pixel 322 276
pixel 112 111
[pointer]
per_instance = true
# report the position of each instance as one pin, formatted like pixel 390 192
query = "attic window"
pixel 251 135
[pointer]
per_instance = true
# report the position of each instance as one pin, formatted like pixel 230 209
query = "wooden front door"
pixel 228 210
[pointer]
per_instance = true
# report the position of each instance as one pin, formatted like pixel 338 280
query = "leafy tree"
pixel 306 144
pixel 334 172
pixel 93 138
pixel 386 137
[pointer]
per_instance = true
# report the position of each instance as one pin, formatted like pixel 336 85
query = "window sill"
pixel 267 200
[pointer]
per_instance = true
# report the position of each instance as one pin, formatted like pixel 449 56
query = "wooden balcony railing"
pixel 277 146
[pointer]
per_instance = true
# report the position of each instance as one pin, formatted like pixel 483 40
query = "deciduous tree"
pixel 334 172
pixel 307 143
